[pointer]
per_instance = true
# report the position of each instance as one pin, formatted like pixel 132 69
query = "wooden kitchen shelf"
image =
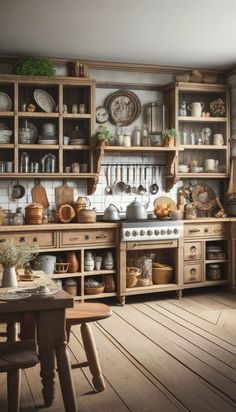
pixel 193 119
pixel 64 91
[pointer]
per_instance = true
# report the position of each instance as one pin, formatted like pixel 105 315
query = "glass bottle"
pixel 136 137
pixel 183 109
pixel 145 138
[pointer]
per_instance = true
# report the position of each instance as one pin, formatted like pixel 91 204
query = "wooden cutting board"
pixel 64 195
pixel 39 195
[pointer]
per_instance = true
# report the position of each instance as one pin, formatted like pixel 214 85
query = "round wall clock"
pixel 124 107
pixel 102 114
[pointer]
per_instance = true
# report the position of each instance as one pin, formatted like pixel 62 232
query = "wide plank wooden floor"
pixel 158 354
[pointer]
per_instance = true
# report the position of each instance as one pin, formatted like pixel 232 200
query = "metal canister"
pixel 156 117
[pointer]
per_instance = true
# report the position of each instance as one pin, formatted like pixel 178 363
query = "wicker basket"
pixel 162 275
pixel 94 290
pixel 61 267
pixel 131 276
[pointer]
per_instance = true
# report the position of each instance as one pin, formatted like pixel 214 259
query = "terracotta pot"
pixel 86 216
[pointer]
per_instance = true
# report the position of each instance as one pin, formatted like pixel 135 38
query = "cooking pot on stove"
pixel 136 210
pixel 111 213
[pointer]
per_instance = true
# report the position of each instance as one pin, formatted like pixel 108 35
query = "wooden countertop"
pixel 98 225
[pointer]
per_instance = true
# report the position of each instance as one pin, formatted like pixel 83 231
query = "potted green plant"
pixel 103 134
pixel 169 137
pixel 32 66
pixel 12 257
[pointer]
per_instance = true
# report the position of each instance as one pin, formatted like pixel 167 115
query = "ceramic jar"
pixel 70 286
pixel 88 261
pixel 46 263
pixel 109 261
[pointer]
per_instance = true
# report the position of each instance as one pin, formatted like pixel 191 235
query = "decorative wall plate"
pixel 203 197
pixel 5 102
pixel 124 107
pixel 44 100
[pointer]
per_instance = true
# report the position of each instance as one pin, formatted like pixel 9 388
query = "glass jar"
pixel 145 138
pixel 214 271
pixel 18 217
pixel 145 264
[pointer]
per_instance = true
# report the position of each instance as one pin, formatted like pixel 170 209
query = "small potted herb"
pixel 103 134
pixel 169 137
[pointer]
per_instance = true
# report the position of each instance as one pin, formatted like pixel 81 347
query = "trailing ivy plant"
pixel 32 66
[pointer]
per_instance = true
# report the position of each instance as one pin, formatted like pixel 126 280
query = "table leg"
pixel 52 340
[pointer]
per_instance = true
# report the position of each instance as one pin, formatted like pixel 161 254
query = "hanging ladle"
pixel 154 186
pixel 108 188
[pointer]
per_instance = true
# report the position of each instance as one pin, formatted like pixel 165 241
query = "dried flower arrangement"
pixel 12 255
pixel 217 108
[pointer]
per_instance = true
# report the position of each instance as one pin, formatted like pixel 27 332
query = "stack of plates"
pixel 77 141
pixel 47 139
pixel 5 136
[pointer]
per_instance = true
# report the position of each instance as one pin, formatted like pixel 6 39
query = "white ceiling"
pixel 194 33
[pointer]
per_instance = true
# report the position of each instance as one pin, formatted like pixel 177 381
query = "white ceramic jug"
pixel 196 109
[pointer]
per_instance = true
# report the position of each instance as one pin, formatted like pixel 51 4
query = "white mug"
pixel 120 139
pixel 210 164
pixel 218 139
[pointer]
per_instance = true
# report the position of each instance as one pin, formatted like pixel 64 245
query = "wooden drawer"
pixel 193 250
pixel 90 237
pixel 160 244
pixel 205 230
pixel 44 240
pixel 193 272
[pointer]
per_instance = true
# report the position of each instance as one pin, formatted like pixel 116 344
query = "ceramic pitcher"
pixel 196 109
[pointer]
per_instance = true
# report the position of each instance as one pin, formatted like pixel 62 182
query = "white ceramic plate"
pixel 44 100
pixel 77 141
pixel 35 130
pixel 47 141
pixel 5 102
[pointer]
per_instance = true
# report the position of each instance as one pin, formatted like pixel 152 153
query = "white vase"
pixel 9 278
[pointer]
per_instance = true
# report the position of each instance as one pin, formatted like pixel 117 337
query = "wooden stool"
pixel 13 357
pixel 82 314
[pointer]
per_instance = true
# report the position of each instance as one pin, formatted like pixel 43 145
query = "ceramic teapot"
pixel 136 210
pixel 196 109
pixel 111 213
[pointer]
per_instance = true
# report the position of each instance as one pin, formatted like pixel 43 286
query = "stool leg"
pixel 92 357
pixel 13 390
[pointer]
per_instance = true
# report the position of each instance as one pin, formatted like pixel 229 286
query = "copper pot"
pixel 34 214
pixel 81 203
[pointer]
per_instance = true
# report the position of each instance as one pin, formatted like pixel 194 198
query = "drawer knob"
pixel 2 240
pixel 193 272
pixel 206 230
pixel 194 230
pixel 87 237
pixel 193 250
pixel 101 237
pixel 35 239
pixel 22 239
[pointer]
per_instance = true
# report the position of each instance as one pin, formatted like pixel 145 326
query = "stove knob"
pixel 127 233
pixel 169 231
pixel 157 232
pixel 142 232
pixel 163 232
pixel 176 231
pixel 149 232
pixel 134 233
